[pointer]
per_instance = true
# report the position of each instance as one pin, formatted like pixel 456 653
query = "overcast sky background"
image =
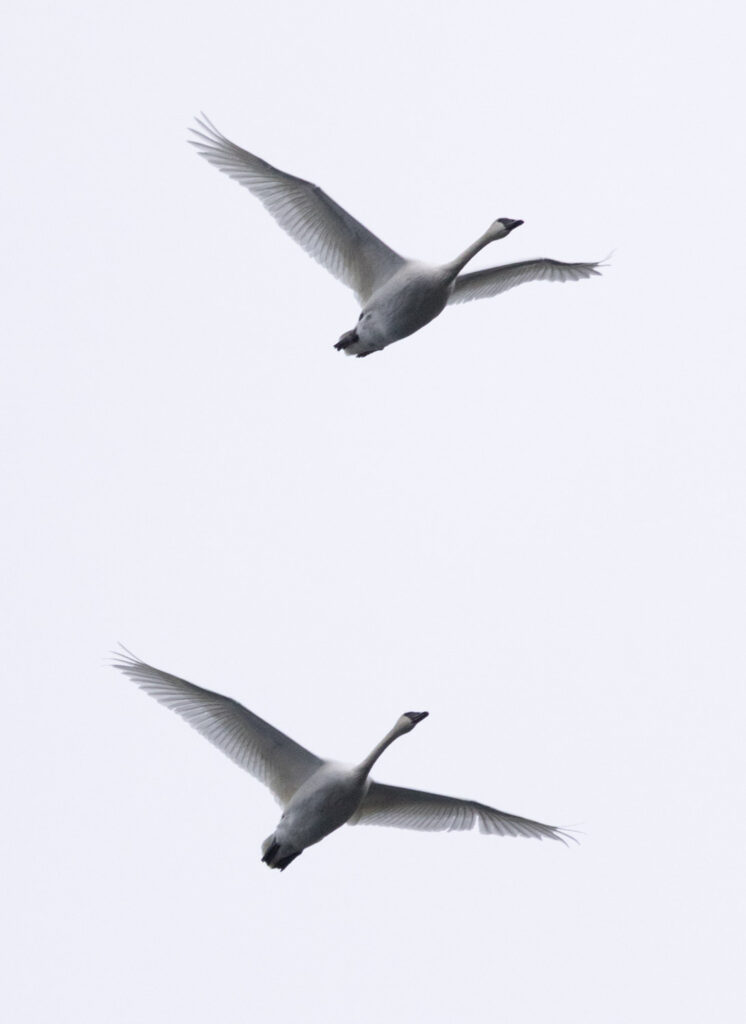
pixel 527 519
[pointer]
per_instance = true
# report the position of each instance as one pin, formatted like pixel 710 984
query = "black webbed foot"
pixel 346 340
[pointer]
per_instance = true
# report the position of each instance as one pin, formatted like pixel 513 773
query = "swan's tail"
pixel 277 856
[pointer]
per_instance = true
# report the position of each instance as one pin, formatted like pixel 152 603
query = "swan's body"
pixel 318 796
pixel 398 296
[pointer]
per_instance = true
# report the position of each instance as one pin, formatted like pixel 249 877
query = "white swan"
pixel 318 796
pixel 397 295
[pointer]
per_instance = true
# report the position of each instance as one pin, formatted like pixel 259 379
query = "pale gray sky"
pixel 527 519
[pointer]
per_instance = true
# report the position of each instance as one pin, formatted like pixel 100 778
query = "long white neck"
pixel 456 266
pixel 365 766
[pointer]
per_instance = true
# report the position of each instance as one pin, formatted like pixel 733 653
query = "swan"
pixel 398 296
pixel 318 796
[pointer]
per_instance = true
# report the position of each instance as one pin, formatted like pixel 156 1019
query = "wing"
pixel 430 812
pixel 327 232
pixel 483 284
pixel 253 744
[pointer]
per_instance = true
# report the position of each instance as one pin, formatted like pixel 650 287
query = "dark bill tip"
pixel 416 716
pixel 510 225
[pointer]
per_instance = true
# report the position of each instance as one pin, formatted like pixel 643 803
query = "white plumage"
pixel 318 796
pixel 398 296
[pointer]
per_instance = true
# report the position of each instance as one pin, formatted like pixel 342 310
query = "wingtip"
pixel 123 658
pixel 567 835
pixel 205 125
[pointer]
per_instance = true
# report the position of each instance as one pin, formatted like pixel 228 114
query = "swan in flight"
pixel 398 296
pixel 318 796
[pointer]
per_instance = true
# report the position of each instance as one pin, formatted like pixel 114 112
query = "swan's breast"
pixel 410 299
pixel 323 803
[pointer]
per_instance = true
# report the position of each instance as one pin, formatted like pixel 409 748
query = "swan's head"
pixel 409 720
pixel 503 226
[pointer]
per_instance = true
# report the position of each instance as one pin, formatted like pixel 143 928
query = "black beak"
pixel 511 225
pixel 416 716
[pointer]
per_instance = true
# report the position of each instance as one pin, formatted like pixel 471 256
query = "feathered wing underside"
pixel 327 232
pixel 253 744
pixel 430 812
pixel 482 284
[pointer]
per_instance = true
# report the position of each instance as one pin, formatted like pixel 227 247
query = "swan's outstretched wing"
pixel 482 284
pixel 263 751
pixel 430 812
pixel 327 232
